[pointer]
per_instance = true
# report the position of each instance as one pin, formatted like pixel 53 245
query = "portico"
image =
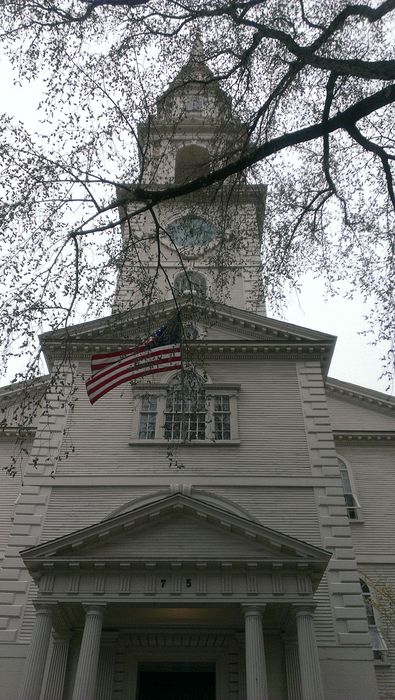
pixel 217 597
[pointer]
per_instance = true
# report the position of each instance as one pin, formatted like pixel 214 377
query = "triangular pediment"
pixel 219 322
pixel 177 528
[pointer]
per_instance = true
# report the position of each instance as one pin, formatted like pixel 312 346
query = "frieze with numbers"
pixel 167 585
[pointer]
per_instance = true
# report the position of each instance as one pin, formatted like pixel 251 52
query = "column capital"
pixel 94 608
pixel 304 609
pixel 253 609
pixel 44 608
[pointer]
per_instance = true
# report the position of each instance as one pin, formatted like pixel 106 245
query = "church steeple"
pixel 209 242
pixel 197 50
pixel 193 111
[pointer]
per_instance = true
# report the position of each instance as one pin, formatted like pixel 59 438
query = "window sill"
pixel 357 521
pixel 189 443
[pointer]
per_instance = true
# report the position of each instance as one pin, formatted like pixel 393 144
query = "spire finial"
pixel 197 50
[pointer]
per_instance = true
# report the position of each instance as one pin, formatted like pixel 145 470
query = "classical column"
pixel 292 669
pixel 35 663
pixel 310 671
pixel 105 676
pixel 256 680
pixel 85 680
pixel 57 668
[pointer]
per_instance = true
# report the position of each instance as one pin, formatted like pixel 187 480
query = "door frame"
pixel 135 656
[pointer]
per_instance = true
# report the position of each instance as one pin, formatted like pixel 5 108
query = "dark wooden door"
pixel 176 685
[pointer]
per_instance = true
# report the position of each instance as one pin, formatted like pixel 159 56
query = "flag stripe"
pixel 101 360
pixel 153 355
pixel 133 360
pixel 120 371
pixel 98 364
pixel 129 374
pixel 104 360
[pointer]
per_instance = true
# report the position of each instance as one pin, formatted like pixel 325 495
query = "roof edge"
pixel 360 393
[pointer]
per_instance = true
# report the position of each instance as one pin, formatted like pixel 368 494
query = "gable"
pixel 347 415
pixel 180 528
pixel 218 323
pixel 358 409
pixel 178 537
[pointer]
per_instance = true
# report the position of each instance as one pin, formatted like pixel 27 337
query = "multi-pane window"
pixel 352 504
pixel 185 416
pixel 148 412
pixel 221 413
pixel 187 409
pixel 379 646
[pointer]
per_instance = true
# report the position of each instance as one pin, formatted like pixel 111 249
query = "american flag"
pixel 158 353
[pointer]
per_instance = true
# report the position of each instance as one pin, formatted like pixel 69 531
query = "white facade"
pixel 225 566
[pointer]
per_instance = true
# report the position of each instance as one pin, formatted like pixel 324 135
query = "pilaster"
pixel 334 524
pixel 30 508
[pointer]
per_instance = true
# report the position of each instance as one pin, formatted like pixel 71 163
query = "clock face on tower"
pixel 191 231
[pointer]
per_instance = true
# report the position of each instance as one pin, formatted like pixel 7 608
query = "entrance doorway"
pixel 176 681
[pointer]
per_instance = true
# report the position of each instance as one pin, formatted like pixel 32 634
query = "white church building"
pixel 214 539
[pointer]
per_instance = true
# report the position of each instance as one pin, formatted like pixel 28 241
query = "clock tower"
pixel 201 534
pixel 207 243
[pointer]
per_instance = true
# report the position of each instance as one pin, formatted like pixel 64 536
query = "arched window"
pixel 379 646
pixel 191 162
pixel 352 504
pixel 185 416
pixel 190 283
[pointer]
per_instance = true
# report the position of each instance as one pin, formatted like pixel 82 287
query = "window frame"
pixel 190 282
pixel 351 502
pixel 159 390
pixel 380 651
pixel 145 415
pixel 185 413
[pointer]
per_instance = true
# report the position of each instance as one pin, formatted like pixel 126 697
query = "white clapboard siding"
pixel 71 509
pixel 182 537
pixel 323 618
pixel 373 469
pixel 291 511
pixel 346 415
pixel 74 508
pixel 29 614
pixel 271 431
pixel 9 486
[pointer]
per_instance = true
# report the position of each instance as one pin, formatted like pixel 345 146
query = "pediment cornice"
pixel 93 546
pixel 260 336
pixel 360 395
